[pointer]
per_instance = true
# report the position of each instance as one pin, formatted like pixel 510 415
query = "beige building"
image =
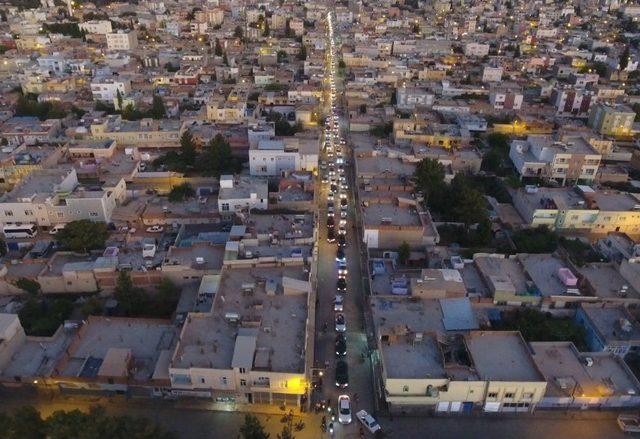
pixel 148 133
pixel 612 120
pixel 122 40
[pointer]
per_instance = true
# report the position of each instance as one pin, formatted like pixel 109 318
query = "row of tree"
pixel 26 423
pixel 213 160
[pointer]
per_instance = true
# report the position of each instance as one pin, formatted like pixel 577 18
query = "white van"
pixel 55 229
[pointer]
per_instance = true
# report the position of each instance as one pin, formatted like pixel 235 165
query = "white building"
pixel 242 193
pixel 52 196
pixel 506 100
pixel 122 40
pixel 492 74
pixel 476 49
pixel 106 89
pixel 102 27
pixel 408 98
pixel 281 157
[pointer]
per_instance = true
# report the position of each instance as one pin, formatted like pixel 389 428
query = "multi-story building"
pixel 102 27
pixel 580 209
pixel 610 328
pixel 53 196
pixel 237 194
pixel 476 49
pixel 106 89
pixel 573 102
pixel 255 344
pixel 281 157
pixel 506 99
pixel 571 160
pixel 492 74
pixel 142 133
pixel 122 40
pixel 408 98
pixel 612 120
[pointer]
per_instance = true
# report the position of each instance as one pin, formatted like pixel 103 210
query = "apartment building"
pixel 476 49
pixel 506 100
pixel 573 102
pixel 571 160
pixel 254 345
pixel 424 368
pixel 122 40
pixel 281 157
pixel 106 89
pixel 143 133
pixel 491 74
pixel 222 110
pixel 580 209
pixel 17 163
pixel 237 194
pixel 408 98
pixel 609 328
pixel 102 27
pixel 611 120
pixel 52 196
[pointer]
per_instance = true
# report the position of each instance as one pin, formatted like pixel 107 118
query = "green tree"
pixel 158 110
pixel 237 32
pixel 470 205
pixel 404 251
pixel 624 58
pixel 341 64
pixel 181 192
pixel 538 240
pixel 83 235
pixel 252 428
pixel 282 56
pixel 119 99
pixel 132 300
pixel 363 109
pixel 429 177
pixel 287 29
pixel 187 149
pixel 217 48
pixel 26 423
pixel 92 307
pixel 225 60
pixel 30 286
pixel 217 158
pixel 266 31
pixel 286 433
pixel 302 54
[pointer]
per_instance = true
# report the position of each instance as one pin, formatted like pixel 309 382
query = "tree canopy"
pixel 252 428
pixel 83 235
pixel 26 423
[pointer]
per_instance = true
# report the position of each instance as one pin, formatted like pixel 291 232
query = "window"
pixel 243 370
pixel 405 388
pixel 202 380
pixel 225 206
pixel 243 382
pixel 527 395
pixel 223 381
pixel 60 215
pixel 28 212
pixel 8 213
pixel 509 395
pixel 492 395
pixel 283 384
pixel 93 213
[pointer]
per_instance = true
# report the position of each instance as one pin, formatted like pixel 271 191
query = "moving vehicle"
pixel 20 231
pixel 341 323
pixel 342 270
pixel 344 409
pixel 330 222
pixel 55 229
pixel 155 229
pixel 338 303
pixel 340 256
pixel 342 374
pixel 341 345
pixel 368 421
pixel 628 423
pixel 342 241
pixel 341 285
pixel 331 235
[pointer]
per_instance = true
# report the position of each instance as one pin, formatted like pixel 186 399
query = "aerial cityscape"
pixel 319 219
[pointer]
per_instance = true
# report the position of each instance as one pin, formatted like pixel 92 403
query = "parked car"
pixel 155 229
pixel 341 345
pixel 627 423
pixel 344 409
pixel 342 374
pixel 341 323
pixel 368 421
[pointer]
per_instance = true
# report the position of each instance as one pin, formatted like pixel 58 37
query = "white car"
pixel 368 421
pixel 344 409
pixel 155 229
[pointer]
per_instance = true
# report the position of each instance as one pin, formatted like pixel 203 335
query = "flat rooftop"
pixel 41 182
pixel 380 166
pixel 146 338
pixel 36 357
pixel 199 256
pixel 378 214
pixel 258 298
pixel 282 226
pixel 243 188
pixel 566 372
pixel 418 315
pixel 606 321
pixel 403 359
pixel 543 271
pixel 606 280
pixel 502 356
pixel 508 268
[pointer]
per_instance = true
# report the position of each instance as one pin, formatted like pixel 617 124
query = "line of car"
pixel 334 174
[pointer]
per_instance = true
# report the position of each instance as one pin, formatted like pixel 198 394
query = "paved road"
pixel 359 369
